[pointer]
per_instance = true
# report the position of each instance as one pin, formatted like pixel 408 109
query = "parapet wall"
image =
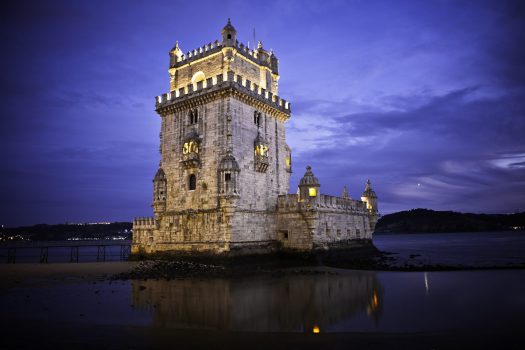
pixel 290 202
pixel 219 82
pixel 144 223
pixel 214 47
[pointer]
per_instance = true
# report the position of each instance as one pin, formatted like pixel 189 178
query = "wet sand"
pixel 12 275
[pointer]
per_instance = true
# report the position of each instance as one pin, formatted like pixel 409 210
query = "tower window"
pixel 229 36
pixel 227 177
pixel 257 118
pixel 192 182
pixel 194 116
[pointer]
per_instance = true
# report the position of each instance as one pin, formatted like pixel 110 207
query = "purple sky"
pixel 425 98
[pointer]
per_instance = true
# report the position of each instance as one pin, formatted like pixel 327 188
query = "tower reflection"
pixel 290 304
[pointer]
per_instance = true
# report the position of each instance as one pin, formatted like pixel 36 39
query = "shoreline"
pixel 12 275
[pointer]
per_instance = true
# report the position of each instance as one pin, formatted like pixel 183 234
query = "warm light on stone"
pixel 225 167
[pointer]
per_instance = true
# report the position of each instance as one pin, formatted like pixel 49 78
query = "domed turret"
pixel 308 186
pixel 369 197
pixel 229 34
pixel 274 63
pixel 308 179
pixel 192 135
pixel 159 175
pixel 159 192
pixel 345 193
pixel 175 54
pixel 229 163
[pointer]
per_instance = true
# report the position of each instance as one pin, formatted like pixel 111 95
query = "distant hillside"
pixel 43 232
pixel 424 220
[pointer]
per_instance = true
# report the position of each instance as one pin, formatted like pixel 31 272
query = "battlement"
pixel 197 53
pixel 144 223
pixel 214 47
pixel 223 81
pixel 290 202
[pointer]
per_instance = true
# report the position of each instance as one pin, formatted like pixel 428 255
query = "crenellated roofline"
pixel 216 47
pixel 219 86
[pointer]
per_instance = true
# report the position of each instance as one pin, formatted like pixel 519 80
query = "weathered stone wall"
pixel 217 61
pixel 211 128
pixel 327 221
pixel 211 66
pixel 238 82
pixel 258 190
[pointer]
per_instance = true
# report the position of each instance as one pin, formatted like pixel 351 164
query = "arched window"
pixel 257 118
pixel 193 116
pixel 199 76
pixel 192 182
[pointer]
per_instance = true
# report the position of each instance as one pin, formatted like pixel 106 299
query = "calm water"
pixel 349 301
pixel 480 249
pixel 344 301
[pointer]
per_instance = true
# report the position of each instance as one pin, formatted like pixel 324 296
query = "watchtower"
pixel 224 158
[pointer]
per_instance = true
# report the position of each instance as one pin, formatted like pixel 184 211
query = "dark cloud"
pixel 458 147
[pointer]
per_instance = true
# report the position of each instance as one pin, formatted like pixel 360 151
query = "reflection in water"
pixel 427 289
pixel 293 303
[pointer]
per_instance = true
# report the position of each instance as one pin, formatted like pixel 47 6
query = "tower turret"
pixel 159 192
pixel 274 63
pixel 309 187
pixel 229 34
pixel 345 193
pixel 370 197
pixel 263 55
pixel 175 54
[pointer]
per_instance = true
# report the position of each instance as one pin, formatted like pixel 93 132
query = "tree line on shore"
pixel 427 221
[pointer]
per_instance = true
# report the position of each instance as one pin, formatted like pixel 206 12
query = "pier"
pixel 64 251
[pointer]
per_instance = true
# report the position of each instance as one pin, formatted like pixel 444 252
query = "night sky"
pixel 425 98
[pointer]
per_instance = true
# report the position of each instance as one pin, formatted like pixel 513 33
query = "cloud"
pixel 456 145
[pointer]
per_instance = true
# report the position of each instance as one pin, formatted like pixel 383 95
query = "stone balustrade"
pixel 144 223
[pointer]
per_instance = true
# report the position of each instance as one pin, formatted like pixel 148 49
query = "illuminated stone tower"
pixel 224 158
pixel 223 180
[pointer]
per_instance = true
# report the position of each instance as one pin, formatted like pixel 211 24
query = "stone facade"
pixel 223 180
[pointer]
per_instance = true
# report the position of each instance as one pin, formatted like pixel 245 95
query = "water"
pixel 481 301
pixel 477 249
pixel 349 301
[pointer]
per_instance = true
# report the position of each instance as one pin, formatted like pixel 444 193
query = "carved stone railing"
pixel 144 223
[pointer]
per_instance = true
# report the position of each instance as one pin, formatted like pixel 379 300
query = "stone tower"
pixel 223 180
pixel 224 158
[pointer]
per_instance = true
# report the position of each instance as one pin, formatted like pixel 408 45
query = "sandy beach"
pixel 12 275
